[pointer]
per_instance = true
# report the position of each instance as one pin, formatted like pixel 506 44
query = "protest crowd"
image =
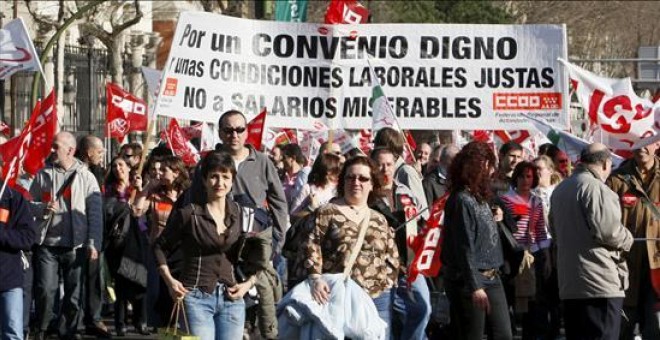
pixel 245 242
pixel 337 232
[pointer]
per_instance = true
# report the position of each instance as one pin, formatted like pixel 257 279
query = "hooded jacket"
pixel 86 205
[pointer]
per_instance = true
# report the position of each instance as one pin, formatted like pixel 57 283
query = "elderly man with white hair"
pixel 67 204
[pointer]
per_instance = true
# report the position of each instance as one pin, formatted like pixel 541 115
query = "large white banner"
pixel 436 76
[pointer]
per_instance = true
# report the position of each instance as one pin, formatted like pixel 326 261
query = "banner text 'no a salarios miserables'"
pixel 435 76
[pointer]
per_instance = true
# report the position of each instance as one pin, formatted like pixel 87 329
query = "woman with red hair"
pixel 472 254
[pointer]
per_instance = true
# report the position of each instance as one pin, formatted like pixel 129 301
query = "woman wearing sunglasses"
pixel 338 225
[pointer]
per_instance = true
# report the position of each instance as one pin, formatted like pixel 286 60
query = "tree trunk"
pixel 116 60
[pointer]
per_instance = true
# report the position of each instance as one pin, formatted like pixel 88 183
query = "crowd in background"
pixel 531 244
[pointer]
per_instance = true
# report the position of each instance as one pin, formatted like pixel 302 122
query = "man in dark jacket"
pixel 435 181
pixel 92 153
pixel 17 233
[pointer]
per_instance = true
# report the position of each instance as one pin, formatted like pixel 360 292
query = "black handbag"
pixel 509 243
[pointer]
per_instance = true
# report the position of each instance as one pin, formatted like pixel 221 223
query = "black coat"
pixel 125 248
pixel 17 232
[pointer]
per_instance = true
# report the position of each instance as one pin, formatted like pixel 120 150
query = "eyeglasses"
pixel 229 131
pixel 363 179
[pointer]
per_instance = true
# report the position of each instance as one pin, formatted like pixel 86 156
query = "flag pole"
pixel 169 140
pixel 4 182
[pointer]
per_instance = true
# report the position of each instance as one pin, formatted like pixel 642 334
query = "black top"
pixel 207 256
pixel 471 241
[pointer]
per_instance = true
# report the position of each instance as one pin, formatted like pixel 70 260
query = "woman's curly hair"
pixel 471 170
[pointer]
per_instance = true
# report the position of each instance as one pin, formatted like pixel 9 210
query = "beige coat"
pixel 638 218
pixel 585 222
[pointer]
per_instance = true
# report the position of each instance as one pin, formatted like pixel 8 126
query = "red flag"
pixel 518 136
pixel 44 125
pixel 256 129
pixel 346 12
pixel 192 131
pixel 180 144
pixel 31 148
pixel 485 136
pixel 125 112
pixel 428 244
pixel 4 128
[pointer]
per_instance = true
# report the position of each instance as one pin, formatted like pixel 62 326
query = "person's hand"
pixel 52 207
pixel 320 291
pixel 239 290
pixel 498 214
pixel 137 182
pixel 176 288
pixel 480 300
pixel 93 253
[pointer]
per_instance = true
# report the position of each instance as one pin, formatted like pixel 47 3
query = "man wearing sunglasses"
pixel 256 181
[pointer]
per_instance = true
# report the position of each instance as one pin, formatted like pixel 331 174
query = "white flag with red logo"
pixel 17 52
pixel 346 12
pixel 255 129
pixel 30 149
pixel 125 112
pixel 180 144
pixel 617 116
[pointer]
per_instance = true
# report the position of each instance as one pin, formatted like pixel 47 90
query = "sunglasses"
pixel 229 131
pixel 363 179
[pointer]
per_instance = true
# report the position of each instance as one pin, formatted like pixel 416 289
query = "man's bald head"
pixel 64 147
pixel 597 158
pixel 595 153
pixel 66 138
pixel 92 150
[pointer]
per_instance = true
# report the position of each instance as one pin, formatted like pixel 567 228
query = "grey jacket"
pixel 86 203
pixel 585 222
pixel 257 178
pixel 408 176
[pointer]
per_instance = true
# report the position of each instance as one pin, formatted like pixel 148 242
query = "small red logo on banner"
pixel 170 87
pixel 527 101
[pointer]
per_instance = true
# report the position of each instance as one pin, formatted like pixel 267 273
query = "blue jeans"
pixel 213 316
pixel 11 314
pixel 412 309
pixel 383 304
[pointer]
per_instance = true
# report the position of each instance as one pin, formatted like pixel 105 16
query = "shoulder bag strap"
pixel 364 225
pixel 646 200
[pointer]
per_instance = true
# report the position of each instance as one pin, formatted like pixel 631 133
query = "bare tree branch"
pixel 40 19
pixel 116 30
